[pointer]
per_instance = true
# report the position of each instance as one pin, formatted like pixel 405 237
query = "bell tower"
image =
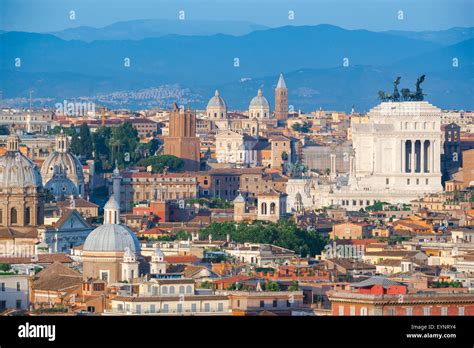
pixel 281 100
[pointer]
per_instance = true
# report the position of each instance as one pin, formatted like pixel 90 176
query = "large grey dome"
pixel 259 101
pixel 16 170
pixel 112 237
pixel 216 101
pixel 65 160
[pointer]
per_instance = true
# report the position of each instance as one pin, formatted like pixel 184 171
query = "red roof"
pixel 181 259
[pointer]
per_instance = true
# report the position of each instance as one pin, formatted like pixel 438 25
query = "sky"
pixel 375 15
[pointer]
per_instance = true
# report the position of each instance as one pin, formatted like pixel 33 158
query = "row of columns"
pixel 425 156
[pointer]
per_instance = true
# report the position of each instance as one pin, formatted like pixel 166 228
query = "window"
pixel 207 307
pixel 180 307
pixel 13 216
pixel 238 303
pixel 461 311
pixel 262 304
pixel 104 275
pixel 444 310
pixel 18 286
pixel 18 304
pixel 387 181
pixel 171 289
pixel 181 289
pixel 165 308
pixel 189 289
pixel 352 310
pixel 164 290
pixel 193 307
pixel 152 308
pixel 417 181
pixel 220 307
pixel 408 181
pixel 27 216
pixel 138 308
pixel 426 311
pixel 3 305
pixel 363 311
pixel 272 208
pixel 391 311
pixel 341 310
pixel 275 303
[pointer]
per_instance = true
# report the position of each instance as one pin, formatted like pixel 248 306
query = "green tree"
pixel 272 286
pixel 122 144
pixel 86 141
pixel 158 163
pixel 101 140
pixel 284 233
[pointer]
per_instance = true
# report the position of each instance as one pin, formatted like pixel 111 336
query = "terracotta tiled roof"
pixel 57 277
pixel 181 259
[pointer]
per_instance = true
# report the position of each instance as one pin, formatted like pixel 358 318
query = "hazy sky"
pixel 52 15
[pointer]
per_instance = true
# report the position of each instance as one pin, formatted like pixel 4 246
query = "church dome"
pixel 16 170
pixel 112 237
pixel 61 185
pixel 216 101
pixel 259 102
pixel 64 159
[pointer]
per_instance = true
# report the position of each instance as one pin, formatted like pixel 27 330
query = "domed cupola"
pixel 67 161
pixel 216 107
pixel 112 236
pixel 259 107
pixel 21 188
pixel 60 185
pixel 18 171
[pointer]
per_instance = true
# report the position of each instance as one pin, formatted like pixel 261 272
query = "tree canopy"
pixel 303 128
pixel 284 233
pixel 159 162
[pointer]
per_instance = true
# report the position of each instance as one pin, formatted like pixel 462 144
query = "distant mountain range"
pixel 311 57
pixel 147 28
pixel 443 37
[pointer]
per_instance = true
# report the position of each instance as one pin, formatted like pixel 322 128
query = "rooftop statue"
pixel 406 94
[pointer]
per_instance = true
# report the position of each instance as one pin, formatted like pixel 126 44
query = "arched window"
pixel 189 289
pixel 181 289
pixel 1 216
pixel 272 208
pixel 164 290
pixel 27 216
pixel 264 208
pixel 13 216
pixel 171 289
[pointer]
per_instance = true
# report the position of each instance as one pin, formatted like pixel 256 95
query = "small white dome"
pixel 112 204
pixel 259 101
pixel 216 101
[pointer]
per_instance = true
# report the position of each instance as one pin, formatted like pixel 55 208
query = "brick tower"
pixel 182 141
pixel 281 100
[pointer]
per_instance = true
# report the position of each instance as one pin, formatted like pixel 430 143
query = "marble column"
pixel 422 156
pixel 404 160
